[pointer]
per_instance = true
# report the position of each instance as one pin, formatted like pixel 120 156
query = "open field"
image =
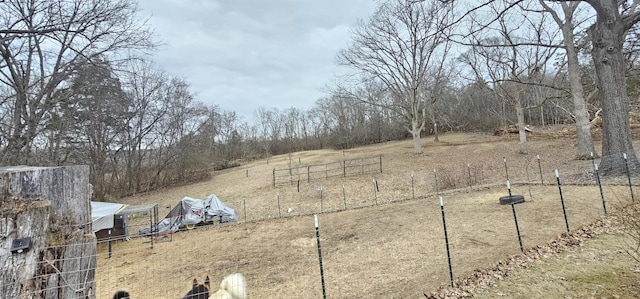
pixel 388 243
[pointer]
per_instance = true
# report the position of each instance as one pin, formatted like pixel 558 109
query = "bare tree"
pixel 585 147
pixel 291 121
pixel 178 130
pixel 608 34
pixel 515 56
pixel 501 66
pixel 400 45
pixel 250 148
pixel 434 92
pixel 269 128
pixel 146 87
pixel 227 130
pixel 614 19
pixel 41 45
pixel 321 120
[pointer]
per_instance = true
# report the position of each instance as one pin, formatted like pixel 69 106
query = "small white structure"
pixel 102 214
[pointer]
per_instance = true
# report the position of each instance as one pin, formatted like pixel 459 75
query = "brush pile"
pixel 510 129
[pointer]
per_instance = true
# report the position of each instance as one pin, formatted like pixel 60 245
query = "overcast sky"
pixel 245 54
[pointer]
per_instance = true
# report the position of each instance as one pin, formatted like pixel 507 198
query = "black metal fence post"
pixel 626 163
pixel 604 205
pixel 324 292
pixel 564 210
pixel 515 217
pixel 109 243
pixel 446 240
pixel 375 191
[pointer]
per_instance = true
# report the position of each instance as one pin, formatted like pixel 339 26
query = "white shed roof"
pixel 102 214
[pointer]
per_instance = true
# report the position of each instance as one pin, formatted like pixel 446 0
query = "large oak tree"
pixel 608 34
pixel 401 45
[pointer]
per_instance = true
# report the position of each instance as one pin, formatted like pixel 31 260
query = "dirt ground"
pixel 388 243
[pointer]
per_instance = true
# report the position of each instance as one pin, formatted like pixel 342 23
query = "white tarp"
pixel 102 214
pixel 192 211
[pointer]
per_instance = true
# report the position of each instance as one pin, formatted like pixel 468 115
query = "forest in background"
pixel 77 86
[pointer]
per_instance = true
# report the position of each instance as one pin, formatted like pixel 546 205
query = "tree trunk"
pixel 435 132
pixel 585 147
pixel 415 133
pixel 585 142
pixel 521 125
pixel 607 36
pixel 50 205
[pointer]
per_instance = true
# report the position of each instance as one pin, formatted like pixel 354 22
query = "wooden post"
pixel 51 205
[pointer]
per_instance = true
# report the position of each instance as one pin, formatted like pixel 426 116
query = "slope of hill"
pixel 379 240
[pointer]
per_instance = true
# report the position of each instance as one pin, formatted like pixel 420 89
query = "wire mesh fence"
pixel 382 235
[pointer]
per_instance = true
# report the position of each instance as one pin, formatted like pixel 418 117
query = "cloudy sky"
pixel 245 54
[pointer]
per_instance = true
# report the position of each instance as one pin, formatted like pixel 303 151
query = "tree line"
pixel 528 51
pixel 77 87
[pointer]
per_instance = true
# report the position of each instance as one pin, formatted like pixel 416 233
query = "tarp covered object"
pixel 192 211
pixel 102 214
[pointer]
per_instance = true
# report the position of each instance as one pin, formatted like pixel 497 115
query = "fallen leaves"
pixel 483 278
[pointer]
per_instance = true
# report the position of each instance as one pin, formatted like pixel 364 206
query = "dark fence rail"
pixel 342 168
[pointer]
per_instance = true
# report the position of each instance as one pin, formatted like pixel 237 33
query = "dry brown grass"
pixel 394 249
pixel 600 268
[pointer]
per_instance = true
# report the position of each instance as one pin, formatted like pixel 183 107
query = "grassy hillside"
pixel 389 241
